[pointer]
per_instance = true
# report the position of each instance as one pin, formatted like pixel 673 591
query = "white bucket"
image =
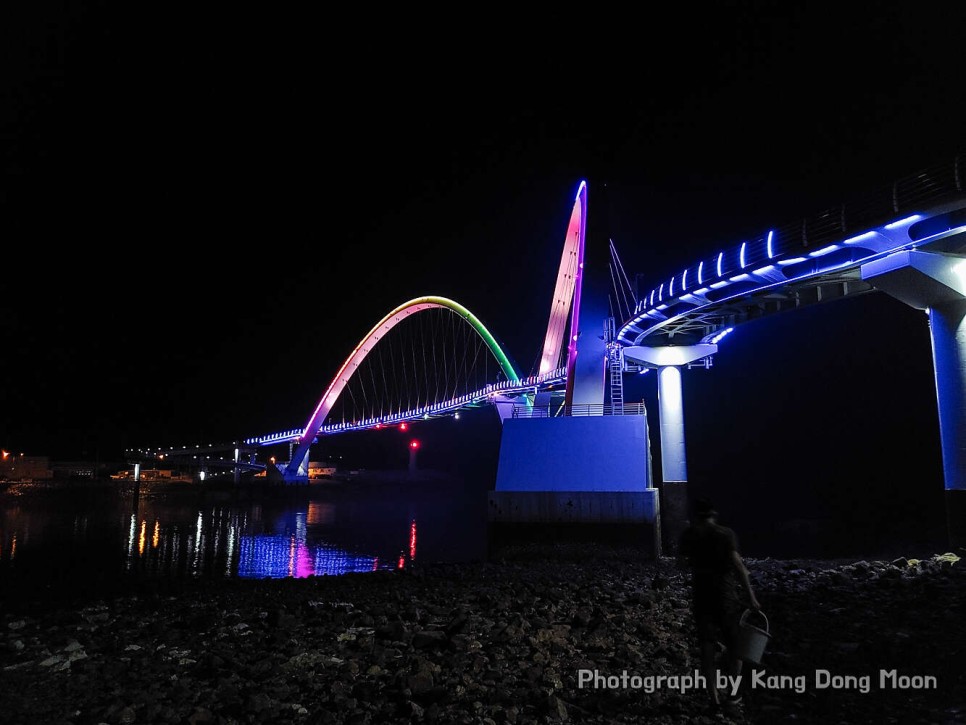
pixel 752 640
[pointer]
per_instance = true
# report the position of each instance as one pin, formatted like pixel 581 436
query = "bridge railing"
pixel 933 185
pixel 586 410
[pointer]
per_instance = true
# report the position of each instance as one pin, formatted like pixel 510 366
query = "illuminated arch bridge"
pixel 400 371
pixel 429 357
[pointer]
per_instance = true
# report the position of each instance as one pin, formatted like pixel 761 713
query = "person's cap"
pixel 703 508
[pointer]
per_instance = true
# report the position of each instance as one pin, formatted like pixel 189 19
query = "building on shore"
pixel 24 468
pixel 152 474
pixel 87 470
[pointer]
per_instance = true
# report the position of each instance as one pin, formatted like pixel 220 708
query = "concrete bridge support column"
pixel 674 466
pixel 668 361
pixel 947 325
pixel 936 282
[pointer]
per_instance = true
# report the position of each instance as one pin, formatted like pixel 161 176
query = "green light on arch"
pixel 472 319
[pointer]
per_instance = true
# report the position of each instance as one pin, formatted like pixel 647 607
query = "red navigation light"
pixel 414 444
pixel 404 426
pixel 378 426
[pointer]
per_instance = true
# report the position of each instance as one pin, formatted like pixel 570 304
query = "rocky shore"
pixel 503 641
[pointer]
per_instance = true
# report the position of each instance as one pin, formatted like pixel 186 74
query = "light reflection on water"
pixel 222 541
pixel 218 542
pixel 186 536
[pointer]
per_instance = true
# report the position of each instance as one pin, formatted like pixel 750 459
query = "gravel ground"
pixel 502 641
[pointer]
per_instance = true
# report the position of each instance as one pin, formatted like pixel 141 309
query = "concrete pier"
pixel 575 472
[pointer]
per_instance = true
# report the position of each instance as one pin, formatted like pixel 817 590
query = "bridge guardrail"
pixel 937 184
pixel 586 410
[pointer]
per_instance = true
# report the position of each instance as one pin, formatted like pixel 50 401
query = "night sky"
pixel 204 211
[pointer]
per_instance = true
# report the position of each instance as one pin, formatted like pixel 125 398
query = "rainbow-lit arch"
pixel 367 344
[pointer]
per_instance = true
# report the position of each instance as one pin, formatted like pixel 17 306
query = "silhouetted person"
pixel 717 571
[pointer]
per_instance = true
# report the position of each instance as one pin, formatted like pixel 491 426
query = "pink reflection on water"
pixel 304 562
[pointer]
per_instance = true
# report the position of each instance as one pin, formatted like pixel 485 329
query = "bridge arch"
pixel 365 346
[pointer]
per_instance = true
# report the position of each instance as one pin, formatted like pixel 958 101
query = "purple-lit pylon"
pixel 566 295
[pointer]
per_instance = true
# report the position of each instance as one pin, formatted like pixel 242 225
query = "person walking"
pixel 718 579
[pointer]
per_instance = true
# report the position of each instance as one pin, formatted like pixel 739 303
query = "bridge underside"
pixel 701 324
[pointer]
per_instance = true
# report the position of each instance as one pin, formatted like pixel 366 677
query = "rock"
pixel 420 682
pixel 428 639
pixel 201 715
pixel 412 710
pixel 556 709
pixel 394 631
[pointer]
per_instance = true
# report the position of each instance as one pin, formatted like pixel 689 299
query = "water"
pixel 59 543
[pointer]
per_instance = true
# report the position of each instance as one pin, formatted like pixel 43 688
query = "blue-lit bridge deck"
pixel 810 260
pixel 507 389
pixel 239 453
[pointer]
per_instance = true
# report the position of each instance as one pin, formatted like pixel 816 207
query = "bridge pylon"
pixel 576 463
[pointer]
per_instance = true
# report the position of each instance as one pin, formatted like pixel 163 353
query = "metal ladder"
pixel 615 361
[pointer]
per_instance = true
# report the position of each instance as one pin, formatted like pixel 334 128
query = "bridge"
pixel 431 357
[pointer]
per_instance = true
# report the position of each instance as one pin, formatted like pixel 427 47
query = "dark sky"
pixel 204 211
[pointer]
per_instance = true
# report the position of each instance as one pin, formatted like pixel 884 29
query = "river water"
pixel 61 541
pixel 87 540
